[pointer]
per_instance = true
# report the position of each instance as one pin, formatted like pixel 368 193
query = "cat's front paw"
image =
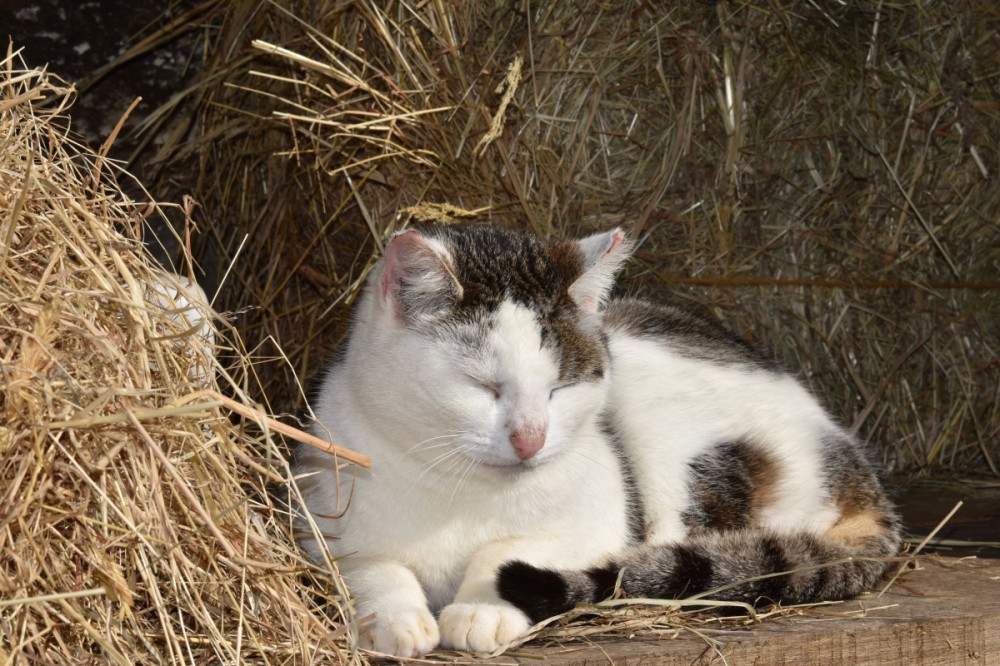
pixel 403 632
pixel 481 627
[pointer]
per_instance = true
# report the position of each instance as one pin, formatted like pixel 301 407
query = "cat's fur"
pixel 520 425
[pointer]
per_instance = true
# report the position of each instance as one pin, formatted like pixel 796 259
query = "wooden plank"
pixel 923 505
pixel 946 611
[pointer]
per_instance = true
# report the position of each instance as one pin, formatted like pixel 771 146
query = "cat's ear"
pixel 603 256
pixel 418 276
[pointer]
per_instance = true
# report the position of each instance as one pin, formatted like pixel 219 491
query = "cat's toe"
pixel 401 632
pixel 481 627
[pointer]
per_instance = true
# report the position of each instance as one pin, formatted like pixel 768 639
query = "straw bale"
pixel 821 175
pixel 136 524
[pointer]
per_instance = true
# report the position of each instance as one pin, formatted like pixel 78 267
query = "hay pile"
pixel 135 526
pixel 822 175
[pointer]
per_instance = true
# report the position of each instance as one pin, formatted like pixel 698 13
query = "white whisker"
pixel 423 445
pixel 471 465
pixel 451 456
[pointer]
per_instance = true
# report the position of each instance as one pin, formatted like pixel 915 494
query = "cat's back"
pixel 682 333
pixel 678 369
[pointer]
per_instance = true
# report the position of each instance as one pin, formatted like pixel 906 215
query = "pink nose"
pixel 527 443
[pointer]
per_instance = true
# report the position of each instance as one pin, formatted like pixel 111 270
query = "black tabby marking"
pixel 542 593
pixel 604 580
pixel 773 559
pixel 493 264
pixel 693 570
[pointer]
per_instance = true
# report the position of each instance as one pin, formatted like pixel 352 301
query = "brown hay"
pixel 135 522
pixel 824 179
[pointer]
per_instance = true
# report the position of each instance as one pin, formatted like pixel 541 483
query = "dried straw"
pixel 824 177
pixel 135 520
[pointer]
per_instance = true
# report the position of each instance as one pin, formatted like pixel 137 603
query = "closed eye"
pixel 493 388
pixel 552 393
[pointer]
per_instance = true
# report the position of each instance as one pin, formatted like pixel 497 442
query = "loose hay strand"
pixel 920 546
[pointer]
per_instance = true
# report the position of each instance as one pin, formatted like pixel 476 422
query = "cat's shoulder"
pixel 682 331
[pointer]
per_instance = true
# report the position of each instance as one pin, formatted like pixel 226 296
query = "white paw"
pixel 481 627
pixel 403 632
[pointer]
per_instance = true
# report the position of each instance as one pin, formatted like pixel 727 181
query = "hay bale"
pixel 823 178
pixel 135 522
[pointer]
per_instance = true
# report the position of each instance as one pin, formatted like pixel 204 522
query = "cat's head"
pixel 499 335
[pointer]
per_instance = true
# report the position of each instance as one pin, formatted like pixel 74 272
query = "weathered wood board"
pixel 946 611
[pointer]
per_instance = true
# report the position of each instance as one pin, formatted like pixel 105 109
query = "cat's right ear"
pixel 418 277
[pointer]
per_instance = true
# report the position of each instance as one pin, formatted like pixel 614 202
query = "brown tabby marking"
pixel 729 486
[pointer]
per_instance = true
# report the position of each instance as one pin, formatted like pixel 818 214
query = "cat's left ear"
pixel 603 256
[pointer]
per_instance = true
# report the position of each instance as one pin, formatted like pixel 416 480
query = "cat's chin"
pixel 510 468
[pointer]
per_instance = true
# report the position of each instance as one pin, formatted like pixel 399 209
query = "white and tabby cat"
pixel 530 439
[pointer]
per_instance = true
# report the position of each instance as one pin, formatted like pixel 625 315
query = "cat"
pixel 536 443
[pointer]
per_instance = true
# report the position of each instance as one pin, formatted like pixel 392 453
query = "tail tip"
pixel 539 593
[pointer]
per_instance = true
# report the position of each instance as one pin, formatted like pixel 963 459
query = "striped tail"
pixel 813 568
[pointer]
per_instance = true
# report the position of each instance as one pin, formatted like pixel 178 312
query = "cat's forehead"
pixel 516 342
pixel 494 264
pixel 513 339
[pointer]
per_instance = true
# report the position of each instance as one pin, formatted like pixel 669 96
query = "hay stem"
pixel 44 598
pixel 285 429
pixel 916 551
pixel 142 414
pixel 102 153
